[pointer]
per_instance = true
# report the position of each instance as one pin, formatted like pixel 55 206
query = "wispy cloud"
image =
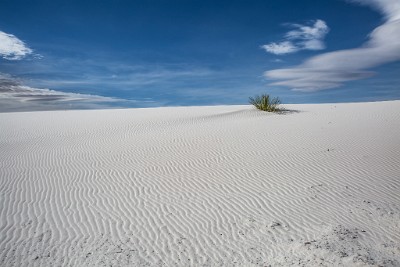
pixel 282 48
pixel 102 74
pixel 17 97
pixel 12 48
pixel 302 37
pixel 330 70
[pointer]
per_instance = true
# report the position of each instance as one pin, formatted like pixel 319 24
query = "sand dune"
pixel 202 186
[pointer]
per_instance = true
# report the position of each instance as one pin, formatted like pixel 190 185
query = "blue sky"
pixel 95 54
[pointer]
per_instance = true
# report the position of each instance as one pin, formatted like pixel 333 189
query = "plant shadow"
pixel 284 111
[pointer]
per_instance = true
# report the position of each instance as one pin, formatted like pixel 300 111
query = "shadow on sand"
pixel 284 111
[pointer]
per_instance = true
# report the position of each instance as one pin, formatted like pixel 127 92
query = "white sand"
pixel 201 186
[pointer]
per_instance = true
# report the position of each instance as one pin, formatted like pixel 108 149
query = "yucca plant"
pixel 265 103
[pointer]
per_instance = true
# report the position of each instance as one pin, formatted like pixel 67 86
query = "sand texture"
pixel 202 186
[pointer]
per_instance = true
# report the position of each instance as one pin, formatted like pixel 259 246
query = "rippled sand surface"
pixel 202 186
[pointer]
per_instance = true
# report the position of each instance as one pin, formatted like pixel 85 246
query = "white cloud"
pixel 12 48
pixel 317 31
pixel 330 70
pixel 303 37
pixel 280 48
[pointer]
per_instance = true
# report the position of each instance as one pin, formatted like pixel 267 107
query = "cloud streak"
pixel 302 37
pixel 17 97
pixel 330 70
pixel 12 48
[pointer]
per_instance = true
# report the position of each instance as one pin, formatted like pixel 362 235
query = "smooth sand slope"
pixel 201 186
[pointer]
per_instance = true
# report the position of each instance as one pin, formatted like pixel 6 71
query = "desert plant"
pixel 265 102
